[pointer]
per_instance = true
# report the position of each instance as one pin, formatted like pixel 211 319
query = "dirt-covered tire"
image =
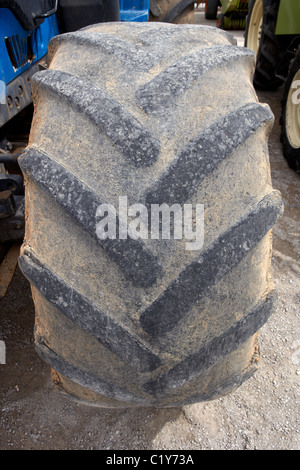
pixel 172 11
pixel 211 9
pixel 260 36
pixel 148 322
pixel 290 118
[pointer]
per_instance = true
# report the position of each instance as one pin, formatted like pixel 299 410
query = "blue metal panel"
pixel 134 10
pixel 19 49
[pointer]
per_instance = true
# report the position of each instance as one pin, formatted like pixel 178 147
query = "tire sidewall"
pixel 211 9
pixel 270 48
pixel 291 153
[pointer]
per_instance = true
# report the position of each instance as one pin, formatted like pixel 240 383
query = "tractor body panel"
pixel 288 19
pixel 21 53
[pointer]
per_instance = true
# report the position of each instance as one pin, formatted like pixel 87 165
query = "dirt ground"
pixel 261 414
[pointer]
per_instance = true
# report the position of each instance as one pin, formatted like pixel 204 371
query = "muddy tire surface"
pixel 148 322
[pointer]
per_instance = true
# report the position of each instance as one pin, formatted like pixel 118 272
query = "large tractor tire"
pixel 290 118
pixel 261 38
pixel 172 11
pixel 129 110
pixel 211 9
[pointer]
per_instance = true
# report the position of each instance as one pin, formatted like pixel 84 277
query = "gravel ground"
pixel 261 414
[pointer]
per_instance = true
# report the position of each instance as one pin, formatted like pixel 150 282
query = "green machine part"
pixel 233 5
pixel 233 14
pixel 288 19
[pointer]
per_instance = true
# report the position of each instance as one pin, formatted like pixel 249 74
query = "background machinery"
pixel 273 32
pixel 232 14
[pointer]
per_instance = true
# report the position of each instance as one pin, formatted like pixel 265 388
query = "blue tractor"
pixel 25 33
pixel 26 27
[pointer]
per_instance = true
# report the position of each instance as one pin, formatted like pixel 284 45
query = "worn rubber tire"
pixel 172 11
pixel 290 116
pixel 271 48
pixel 147 322
pixel 211 9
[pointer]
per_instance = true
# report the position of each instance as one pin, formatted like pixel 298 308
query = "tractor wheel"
pixel 126 115
pixel 290 118
pixel 261 38
pixel 172 11
pixel 211 9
